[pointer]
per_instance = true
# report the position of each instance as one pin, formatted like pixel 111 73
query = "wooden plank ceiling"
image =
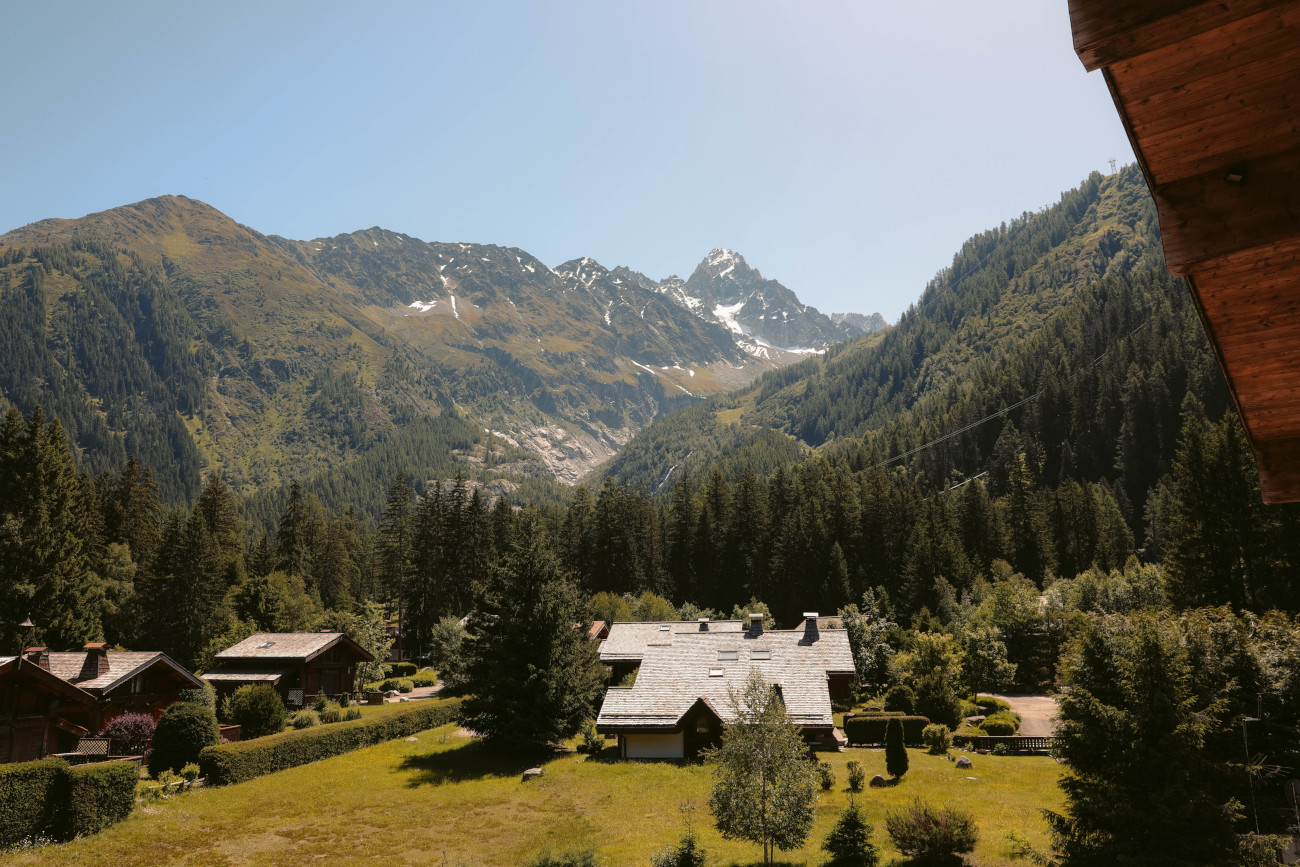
pixel 1209 93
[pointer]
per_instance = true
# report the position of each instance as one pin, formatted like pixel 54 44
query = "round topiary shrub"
pixel 1000 724
pixel 937 738
pixel 130 734
pixel 900 699
pixel 183 730
pixel 258 710
pixel 305 719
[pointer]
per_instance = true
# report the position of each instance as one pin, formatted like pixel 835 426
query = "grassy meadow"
pixel 446 799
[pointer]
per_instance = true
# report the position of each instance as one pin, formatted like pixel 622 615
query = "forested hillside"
pixel 167 331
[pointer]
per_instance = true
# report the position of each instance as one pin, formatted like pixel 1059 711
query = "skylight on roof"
pixel 664 628
pixel 728 655
pixel 715 672
pixel 265 644
pixel 760 654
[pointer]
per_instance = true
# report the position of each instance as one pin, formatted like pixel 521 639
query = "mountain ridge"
pixel 297 357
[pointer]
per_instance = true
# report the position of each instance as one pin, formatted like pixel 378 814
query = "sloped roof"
pixel 81 668
pixel 26 668
pixel 629 640
pixel 303 646
pixel 246 675
pixel 674 676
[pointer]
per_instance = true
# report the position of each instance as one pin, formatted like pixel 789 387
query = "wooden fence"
pixel 1013 743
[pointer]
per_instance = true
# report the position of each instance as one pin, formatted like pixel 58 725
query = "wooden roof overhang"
pixel 1209 94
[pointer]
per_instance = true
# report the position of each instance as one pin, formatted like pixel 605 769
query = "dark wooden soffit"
pixel 1209 94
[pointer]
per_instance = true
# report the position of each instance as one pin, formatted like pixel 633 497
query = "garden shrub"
pixel 849 842
pixel 204 695
pixel 331 713
pixel 988 705
pixel 400 669
pixel 932 836
pixel 395 683
pixel 591 741
pixel 937 738
pixel 1000 724
pixel 183 731
pixel 969 709
pixel 129 734
pixel 687 853
pixel 857 776
pixel 345 700
pixel 258 710
pixel 245 760
pixel 48 799
pixel 351 714
pixel 895 752
pixel 826 775
pixel 869 728
pixel 424 680
pixel 305 719
pixel 321 702
pixel 1001 750
pixel 190 772
pixel 405 687
pixel 900 699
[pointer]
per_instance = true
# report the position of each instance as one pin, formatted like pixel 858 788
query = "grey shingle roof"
pixel 81 668
pixel 246 675
pixel 628 641
pixel 285 645
pixel 674 676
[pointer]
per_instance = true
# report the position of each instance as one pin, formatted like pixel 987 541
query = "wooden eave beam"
pixel 1205 217
pixel 1107 32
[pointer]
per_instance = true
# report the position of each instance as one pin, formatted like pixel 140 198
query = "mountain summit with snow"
pixel 765 317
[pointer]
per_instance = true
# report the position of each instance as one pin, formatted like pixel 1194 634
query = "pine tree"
pixel 534 673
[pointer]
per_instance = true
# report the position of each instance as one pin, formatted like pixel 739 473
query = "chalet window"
pixel 701 726
pixel 760 654
pixel 137 684
pixel 728 655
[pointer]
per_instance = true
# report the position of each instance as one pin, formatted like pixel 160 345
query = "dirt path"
pixel 1037 714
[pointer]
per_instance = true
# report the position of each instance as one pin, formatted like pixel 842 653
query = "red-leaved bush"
pixel 131 734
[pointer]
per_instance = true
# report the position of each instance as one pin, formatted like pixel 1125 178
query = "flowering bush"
pixel 130 734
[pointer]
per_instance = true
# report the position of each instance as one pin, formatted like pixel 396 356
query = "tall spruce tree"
pixel 534 673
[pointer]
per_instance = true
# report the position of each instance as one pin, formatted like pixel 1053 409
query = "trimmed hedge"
pixel 99 795
pixel 246 760
pixel 869 728
pixel 400 669
pixel 49 799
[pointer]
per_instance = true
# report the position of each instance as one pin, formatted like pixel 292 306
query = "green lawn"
pixel 448 797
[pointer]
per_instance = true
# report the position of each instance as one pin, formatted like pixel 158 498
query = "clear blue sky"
pixel 845 148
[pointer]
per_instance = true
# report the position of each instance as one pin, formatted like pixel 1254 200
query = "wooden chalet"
pixel 681 698
pixel 300 665
pixel 35 707
pixel 1209 94
pixel 122 681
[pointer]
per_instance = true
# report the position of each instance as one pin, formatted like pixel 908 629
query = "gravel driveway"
pixel 1037 714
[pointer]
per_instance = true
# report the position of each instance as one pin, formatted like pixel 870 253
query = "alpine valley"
pixel 167 330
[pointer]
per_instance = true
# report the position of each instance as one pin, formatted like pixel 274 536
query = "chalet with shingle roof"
pixel 35 707
pixel 49 700
pixel 299 665
pixel 681 697
pixel 122 681
pixel 625 643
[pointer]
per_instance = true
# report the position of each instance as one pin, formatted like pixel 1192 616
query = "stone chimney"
pixel 704 624
pixel 810 633
pixel 755 624
pixel 97 651
pixel 38 656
